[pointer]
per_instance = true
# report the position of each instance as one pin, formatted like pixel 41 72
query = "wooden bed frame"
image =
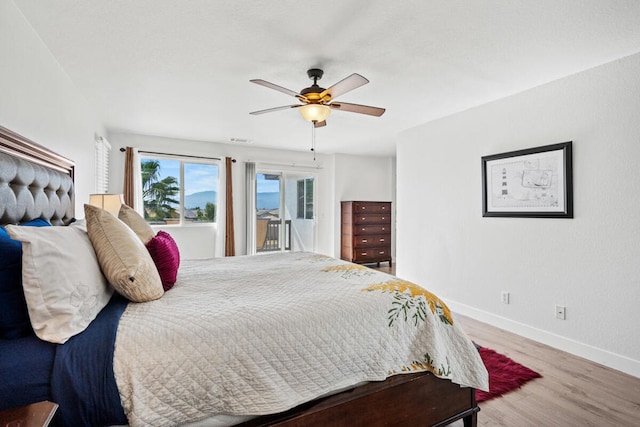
pixel 403 400
pixel 419 399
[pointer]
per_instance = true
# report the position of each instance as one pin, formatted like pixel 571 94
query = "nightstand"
pixel 34 415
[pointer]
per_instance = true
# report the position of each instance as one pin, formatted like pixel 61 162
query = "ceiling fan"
pixel 317 102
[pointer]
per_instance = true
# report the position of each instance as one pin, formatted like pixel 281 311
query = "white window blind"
pixel 102 151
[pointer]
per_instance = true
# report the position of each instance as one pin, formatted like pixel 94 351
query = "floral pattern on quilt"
pixel 410 301
pixel 350 270
pixel 427 364
pixel 315 258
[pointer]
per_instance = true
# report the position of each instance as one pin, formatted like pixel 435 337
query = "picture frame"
pixel 531 183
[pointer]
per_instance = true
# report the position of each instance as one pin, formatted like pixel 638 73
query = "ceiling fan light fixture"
pixel 315 112
pixel 316 103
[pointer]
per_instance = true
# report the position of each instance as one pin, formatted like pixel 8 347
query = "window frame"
pixel 181 183
pixel 304 207
pixel 102 153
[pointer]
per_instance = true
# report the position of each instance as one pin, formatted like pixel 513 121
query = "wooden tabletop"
pixel 34 415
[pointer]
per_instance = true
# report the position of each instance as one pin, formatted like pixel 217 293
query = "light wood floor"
pixel 572 391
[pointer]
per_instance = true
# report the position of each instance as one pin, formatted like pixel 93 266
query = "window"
pixel 102 149
pixel 305 198
pixel 175 191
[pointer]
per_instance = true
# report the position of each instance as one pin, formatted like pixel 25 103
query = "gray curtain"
pixel 250 180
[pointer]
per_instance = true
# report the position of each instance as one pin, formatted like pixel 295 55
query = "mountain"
pixel 268 200
pixel 200 199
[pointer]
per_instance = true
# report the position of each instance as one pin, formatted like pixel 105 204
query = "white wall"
pixel 365 178
pixel 590 264
pixel 39 101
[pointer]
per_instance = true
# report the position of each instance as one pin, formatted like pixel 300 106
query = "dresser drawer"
pixel 371 254
pixel 371 240
pixel 360 218
pixel 371 229
pixel 365 235
pixel 371 207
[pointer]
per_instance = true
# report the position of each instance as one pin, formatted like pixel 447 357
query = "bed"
pixel 291 339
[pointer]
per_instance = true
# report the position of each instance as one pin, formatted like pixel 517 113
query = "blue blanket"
pixel 25 371
pixel 82 380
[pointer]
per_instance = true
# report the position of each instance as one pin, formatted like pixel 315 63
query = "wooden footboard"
pixel 403 400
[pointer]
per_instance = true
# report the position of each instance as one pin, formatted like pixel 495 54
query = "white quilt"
pixel 262 334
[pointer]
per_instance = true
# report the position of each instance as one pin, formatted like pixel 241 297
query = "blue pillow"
pixel 14 317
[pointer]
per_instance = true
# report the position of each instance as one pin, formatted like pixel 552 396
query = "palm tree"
pixel 150 171
pixel 162 193
pixel 158 194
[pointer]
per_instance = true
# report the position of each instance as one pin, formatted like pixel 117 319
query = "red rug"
pixel 505 375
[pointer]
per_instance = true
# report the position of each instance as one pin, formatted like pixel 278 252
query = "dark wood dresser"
pixel 365 232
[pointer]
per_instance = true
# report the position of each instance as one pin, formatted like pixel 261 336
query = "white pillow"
pixel 63 285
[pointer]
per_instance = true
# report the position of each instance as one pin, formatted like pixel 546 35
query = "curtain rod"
pixel 122 149
pixel 284 164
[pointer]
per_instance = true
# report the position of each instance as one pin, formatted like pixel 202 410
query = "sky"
pixel 266 185
pixel 205 177
pixel 197 176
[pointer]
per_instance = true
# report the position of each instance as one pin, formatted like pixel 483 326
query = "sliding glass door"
pixel 285 211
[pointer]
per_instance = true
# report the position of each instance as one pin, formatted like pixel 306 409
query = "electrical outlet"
pixel 504 297
pixel 561 312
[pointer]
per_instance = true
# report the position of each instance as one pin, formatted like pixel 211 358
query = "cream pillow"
pixel 63 285
pixel 124 260
pixel 136 222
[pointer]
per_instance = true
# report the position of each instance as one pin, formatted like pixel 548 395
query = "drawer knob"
pixel 382 240
pixel 364 218
pixel 382 217
pixel 381 252
pixel 364 240
pixel 363 254
pixel 364 229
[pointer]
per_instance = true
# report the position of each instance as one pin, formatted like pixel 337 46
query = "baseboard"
pixel 598 355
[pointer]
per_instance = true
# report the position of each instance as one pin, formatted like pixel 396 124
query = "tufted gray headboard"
pixel 34 182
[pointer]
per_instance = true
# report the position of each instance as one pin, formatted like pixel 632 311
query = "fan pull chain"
pixel 313 139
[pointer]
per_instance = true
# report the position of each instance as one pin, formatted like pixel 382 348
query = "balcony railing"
pixel 272 240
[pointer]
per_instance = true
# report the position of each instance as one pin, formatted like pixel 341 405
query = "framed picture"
pixel 534 183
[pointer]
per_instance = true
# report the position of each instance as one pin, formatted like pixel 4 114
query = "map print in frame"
pixel 535 182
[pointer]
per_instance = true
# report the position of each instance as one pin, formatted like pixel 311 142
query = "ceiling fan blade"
pixel 320 124
pixel 269 110
pixel 275 87
pixel 356 108
pixel 345 85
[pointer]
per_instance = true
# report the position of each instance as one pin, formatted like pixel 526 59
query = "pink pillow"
pixel 165 255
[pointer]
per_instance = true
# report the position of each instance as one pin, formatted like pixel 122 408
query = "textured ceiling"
pixel 182 68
